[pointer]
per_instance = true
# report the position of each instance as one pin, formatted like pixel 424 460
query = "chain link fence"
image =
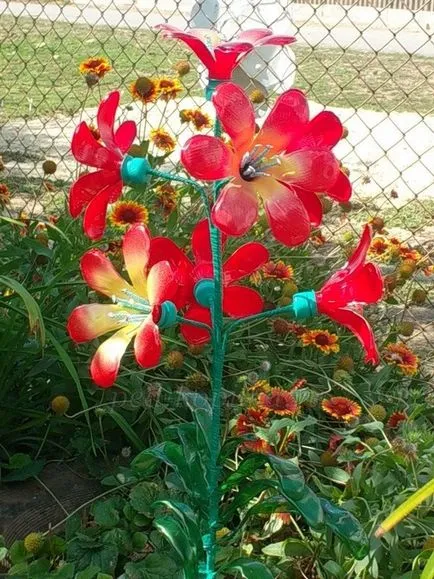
pixel 370 62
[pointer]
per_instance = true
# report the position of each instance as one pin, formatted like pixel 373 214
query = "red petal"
pixel 228 55
pixel 106 118
pixel 236 210
pixel 287 216
pixel 361 329
pixel 135 248
pixel 323 131
pixel 312 169
pixel 147 345
pixel 312 204
pixel 164 249
pixel 105 364
pixel 95 215
pixel 276 40
pixel 207 158
pixel 86 149
pixel 192 41
pixel 245 261
pixel 341 190
pixel 239 301
pixel 358 257
pixel 192 334
pixel 99 274
pixel 125 135
pixel 236 114
pixel 86 187
pixel 253 35
pixel 90 321
pixel 287 117
pixel 161 283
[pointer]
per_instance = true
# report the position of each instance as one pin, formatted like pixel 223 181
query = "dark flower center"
pixel 322 340
pixel 279 402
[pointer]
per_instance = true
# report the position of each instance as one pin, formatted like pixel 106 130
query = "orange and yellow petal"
pixel 278 270
pixel 396 418
pixel 260 386
pixel 259 445
pixel 402 357
pixel 169 88
pixel 135 248
pixel 105 364
pixel 125 213
pixel 144 89
pixel 163 140
pixel 90 321
pixel 321 339
pixel 97 65
pixel 278 401
pixel 99 273
pixel 341 408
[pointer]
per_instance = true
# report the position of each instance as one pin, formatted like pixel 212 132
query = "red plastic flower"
pixel 221 58
pixel 136 309
pixel 284 164
pixel 93 192
pixel 238 301
pixel 358 283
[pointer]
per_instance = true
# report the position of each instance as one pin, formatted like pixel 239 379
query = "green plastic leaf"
pixel 267 506
pixel 347 528
pixel 246 493
pixel 247 467
pixel 180 541
pixel 249 569
pixel 36 320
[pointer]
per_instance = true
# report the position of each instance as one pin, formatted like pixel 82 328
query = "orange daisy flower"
pixel 163 140
pixel 402 357
pixel 167 197
pixel 341 408
pixel 5 195
pixel 380 248
pixel 144 89
pixel 277 270
pixel 396 418
pixel 317 238
pixel 199 119
pixel 126 213
pixel 97 65
pixel 278 401
pixel 252 417
pixel 260 386
pixel 259 445
pixel 407 253
pixel 321 339
pixel 169 88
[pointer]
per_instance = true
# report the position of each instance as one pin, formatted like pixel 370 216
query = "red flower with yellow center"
pixel 396 418
pixel 407 253
pixel 144 90
pixel 402 357
pixel 251 418
pixel 136 311
pixel 380 248
pixel 169 88
pixel 126 213
pixel 97 65
pixel 278 401
pixel 284 164
pixel 277 270
pixel 341 408
pixel 163 140
pixel 259 445
pixel 199 119
pixel 321 339
pixel 5 194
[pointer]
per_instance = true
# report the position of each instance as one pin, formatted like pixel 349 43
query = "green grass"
pixel 39 68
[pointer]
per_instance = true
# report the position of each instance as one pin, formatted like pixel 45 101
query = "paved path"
pixel 313 27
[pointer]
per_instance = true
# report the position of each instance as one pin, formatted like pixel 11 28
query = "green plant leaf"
pixel 428 571
pixel 180 541
pixel 128 431
pixel 36 320
pixel 69 365
pixel 202 414
pixel 67 571
pixel 287 548
pixel 155 566
pixel 142 497
pixel 291 427
pixel 187 518
pixel 246 493
pixel 247 467
pixel 88 573
pixel 337 475
pixel 105 513
pixel 249 569
pixel 347 528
